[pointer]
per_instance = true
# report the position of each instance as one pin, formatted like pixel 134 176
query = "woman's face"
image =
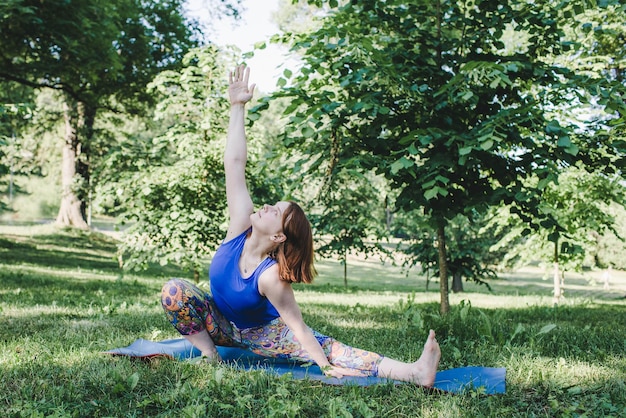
pixel 269 218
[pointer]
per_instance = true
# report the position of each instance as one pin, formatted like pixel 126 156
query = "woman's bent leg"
pixel 193 313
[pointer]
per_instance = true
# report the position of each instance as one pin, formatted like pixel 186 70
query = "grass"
pixel 63 301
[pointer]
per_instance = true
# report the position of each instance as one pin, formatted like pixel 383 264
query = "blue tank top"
pixel 236 297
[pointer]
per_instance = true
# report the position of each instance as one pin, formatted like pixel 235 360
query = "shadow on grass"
pixel 96 329
pixel 23 288
pixel 71 249
pixel 56 252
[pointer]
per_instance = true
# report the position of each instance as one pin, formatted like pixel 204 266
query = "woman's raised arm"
pixel 240 204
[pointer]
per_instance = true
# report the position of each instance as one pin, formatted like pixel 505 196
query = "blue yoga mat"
pixel 490 380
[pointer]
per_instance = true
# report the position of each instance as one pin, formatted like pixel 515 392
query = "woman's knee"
pixel 172 294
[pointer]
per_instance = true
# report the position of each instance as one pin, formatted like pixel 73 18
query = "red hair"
pixel 295 254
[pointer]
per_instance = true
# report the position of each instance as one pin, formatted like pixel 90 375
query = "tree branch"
pixel 39 85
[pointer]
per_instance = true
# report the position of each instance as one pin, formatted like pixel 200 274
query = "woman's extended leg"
pixel 276 340
pixel 422 372
pixel 192 312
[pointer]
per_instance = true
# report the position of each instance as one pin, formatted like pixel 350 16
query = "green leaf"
pixel 400 164
pixel 546 329
pixel 442 179
pixel 572 150
pixel 564 141
pixel 118 388
pixel 467 95
pixel 547 223
pixel 486 145
pixel 307 132
pixel 553 127
pixel 431 193
pixel 554 236
pixel 132 381
pixel 543 183
pixel 429 184
pixel 465 150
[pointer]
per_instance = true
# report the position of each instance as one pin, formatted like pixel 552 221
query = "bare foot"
pixel 423 371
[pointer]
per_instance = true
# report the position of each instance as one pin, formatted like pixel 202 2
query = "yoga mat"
pixel 490 379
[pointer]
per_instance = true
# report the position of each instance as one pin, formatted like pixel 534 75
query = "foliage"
pixel 602 35
pixel 442 99
pixel 348 222
pixel 173 202
pixel 299 15
pixel 99 56
pixel 580 204
pixel 16 110
pixel 471 255
pixel 610 249
pixel 61 307
pixel 93 52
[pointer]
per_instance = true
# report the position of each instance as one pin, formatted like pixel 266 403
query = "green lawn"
pixel 63 301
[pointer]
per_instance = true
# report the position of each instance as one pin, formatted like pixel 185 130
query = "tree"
pixel 469 243
pixel 98 55
pixel 16 109
pixel 430 95
pixel 169 188
pixel 577 211
pixel 348 221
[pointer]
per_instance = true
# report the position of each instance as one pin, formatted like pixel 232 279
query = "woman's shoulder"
pixel 270 279
pixel 236 236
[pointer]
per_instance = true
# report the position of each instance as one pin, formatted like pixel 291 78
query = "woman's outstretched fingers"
pixel 238 89
pixel 246 75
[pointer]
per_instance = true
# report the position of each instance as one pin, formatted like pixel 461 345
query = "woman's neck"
pixel 254 249
pixel 251 256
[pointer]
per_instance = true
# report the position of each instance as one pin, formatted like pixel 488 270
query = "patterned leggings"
pixel 191 310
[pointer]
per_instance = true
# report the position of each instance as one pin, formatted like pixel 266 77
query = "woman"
pixel 252 304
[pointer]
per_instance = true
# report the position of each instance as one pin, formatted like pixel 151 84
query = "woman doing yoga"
pixel 251 303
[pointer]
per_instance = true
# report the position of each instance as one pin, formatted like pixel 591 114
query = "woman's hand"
pixel 238 89
pixel 339 372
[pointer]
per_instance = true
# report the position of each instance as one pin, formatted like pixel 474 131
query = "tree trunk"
pixel 388 216
pixel 345 269
pixel 457 282
pixel 606 277
pixel 556 276
pixel 444 307
pixel 73 168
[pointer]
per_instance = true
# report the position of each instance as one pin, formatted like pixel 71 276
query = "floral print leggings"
pixel 192 310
